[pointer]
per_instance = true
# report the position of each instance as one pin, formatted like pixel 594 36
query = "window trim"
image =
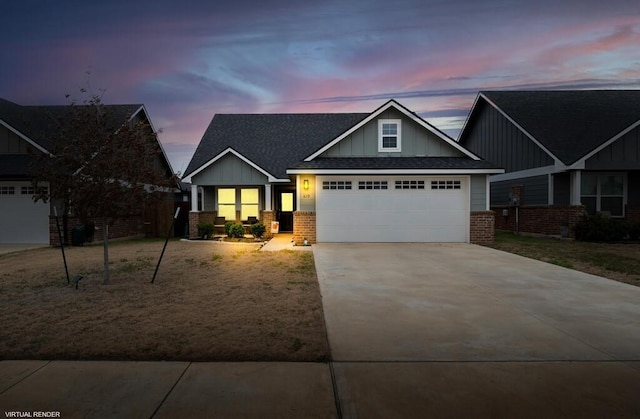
pixel 598 196
pixel 398 147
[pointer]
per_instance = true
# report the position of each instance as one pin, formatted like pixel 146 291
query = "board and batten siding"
pixel 415 141
pixel 478 192
pixel 622 154
pixel 494 138
pixel 536 190
pixel 229 170
pixel 10 143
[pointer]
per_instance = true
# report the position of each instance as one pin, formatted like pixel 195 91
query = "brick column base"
pixel 266 218
pixel 304 227
pixel 482 227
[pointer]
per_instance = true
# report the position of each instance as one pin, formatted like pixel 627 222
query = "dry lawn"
pixel 210 301
pixel 617 261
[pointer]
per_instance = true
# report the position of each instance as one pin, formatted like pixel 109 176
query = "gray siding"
pixel 229 170
pixel 561 188
pixel 494 138
pixel 536 190
pixel 633 188
pixel 623 154
pixel 478 192
pixel 415 141
pixel 10 143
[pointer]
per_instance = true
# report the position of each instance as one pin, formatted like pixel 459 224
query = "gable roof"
pixel 271 141
pixel 569 124
pixel 32 123
pixel 411 115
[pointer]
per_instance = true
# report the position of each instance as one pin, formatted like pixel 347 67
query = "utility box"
pixel 78 235
pixel 505 212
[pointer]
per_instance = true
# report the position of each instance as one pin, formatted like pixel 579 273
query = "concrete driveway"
pixel 457 328
pixel 19 247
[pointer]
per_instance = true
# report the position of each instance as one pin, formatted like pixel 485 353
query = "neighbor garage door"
pixel 22 220
pixel 392 209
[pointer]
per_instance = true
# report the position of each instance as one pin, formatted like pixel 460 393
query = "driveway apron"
pixel 417 326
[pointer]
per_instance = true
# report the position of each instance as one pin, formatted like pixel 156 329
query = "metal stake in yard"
pixel 64 259
pixel 165 243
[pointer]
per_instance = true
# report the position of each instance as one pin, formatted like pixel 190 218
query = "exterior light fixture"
pixel 305 184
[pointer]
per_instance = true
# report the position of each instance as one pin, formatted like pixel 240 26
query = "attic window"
pixel 389 139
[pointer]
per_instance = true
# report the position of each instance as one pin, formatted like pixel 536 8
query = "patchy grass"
pixel 620 262
pixel 210 302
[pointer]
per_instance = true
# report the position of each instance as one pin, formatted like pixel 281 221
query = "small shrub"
pixel 597 228
pixel 236 230
pixel 227 227
pixel 258 230
pixel 205 229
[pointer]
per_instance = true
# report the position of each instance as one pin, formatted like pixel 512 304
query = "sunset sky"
pixel 186 61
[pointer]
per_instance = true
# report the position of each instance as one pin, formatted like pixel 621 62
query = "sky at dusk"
pixel 186 61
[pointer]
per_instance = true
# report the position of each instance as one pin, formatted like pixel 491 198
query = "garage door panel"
pixel 393 215
pixel 21 219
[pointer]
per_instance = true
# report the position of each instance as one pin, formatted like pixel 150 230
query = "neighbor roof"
pixel 570 124
pixel 271 141
pixel 35 121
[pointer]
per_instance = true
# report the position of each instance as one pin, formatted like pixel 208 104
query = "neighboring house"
pixel 564 152
pixel 384 176
pixel 22 131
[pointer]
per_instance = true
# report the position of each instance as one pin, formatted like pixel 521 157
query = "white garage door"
pixel 22 220
pixel 392 209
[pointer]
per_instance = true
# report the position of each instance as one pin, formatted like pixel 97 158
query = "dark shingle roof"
pixel 381 163
pixel 570 124
pixel 272 141
pixel 36 121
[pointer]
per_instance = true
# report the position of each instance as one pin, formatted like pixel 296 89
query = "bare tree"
pixel 102 164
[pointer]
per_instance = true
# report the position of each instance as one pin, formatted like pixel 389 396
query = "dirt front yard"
pixel 210 301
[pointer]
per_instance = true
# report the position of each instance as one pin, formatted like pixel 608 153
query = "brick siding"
pixel 128 227
pixel 632 213
pixel 304 227
pixel 482 227
pixel 554 220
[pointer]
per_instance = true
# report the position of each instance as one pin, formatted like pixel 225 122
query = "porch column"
pixel 194 198
pixel 574 187
pixel 267 197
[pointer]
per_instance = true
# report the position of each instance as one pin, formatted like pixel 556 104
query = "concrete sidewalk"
pixel 113 389
pixel 283 241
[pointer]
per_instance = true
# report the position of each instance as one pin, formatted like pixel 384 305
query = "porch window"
pixel 227 203
pixel 389 135
pixel 249 203
pixel 603 193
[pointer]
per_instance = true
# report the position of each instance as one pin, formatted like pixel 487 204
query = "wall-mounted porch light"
pixel 305 184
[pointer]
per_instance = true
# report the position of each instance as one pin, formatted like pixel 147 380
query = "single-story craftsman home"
pixel 564 153
pixel 384 176
pixel 22 134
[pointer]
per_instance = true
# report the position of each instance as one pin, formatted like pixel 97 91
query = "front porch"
pixel 244 204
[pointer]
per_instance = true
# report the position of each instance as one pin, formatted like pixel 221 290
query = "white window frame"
pixel 398 147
